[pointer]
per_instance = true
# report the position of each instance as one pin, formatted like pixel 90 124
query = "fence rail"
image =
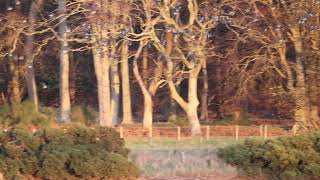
pixel 207 132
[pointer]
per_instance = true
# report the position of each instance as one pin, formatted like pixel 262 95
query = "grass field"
pixel 161 143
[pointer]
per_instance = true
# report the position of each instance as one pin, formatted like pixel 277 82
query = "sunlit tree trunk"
pixel 190 106
pixel 193 103
pixel 102 66
pixel 148 89
pixel 102 70
pixel 65 105
pixel 147 97
pixel 125 82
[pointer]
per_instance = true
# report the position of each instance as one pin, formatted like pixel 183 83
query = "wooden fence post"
pixel 121 132
pixel 179 133
pixel 207 132
pixel 237 132
pixel 265 132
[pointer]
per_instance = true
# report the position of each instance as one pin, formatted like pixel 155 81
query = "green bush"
pixel 296 157
pixel 26 116
pixel 4 115
pixel 75 152
pixel 178 120
pixel 84 115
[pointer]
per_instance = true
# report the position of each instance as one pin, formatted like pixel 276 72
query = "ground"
pixel 187 159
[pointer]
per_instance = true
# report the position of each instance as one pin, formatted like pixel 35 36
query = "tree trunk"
pixel 32 87
pixel 147 97
pixel 73 77
pixel 65 105
pixel 173 111
pixel 126 96
pixel 30 77
pixel 145 64
pixel 147 111
pixel 303 104
pixel 102 67
pixel 204 96
pixel 193 104
pixel 14 94
pixel 115 92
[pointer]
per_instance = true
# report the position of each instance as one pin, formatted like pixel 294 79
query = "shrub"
pixel 178 120
pixel 84 115
pixel 295 157
pixel 74 152
pixel 26 116
pixel 4 115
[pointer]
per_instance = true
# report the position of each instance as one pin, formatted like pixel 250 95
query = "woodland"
pixel 147 61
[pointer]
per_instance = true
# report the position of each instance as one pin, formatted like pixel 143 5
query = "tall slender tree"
pixel 29 48
pixel 65 104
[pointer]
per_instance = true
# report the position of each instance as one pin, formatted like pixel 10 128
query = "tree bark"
pixel 147 111
pixel 204 96
pixel 30 77
pixel 14 94
pixel 190 107
pixel 125 82
pixel 303 106
pixel 73 77
pixel 147 97
pixel 145 64
pixel 193 104
pixel 102 66
pixel 115 92
pixel 65 105
pixel 102 70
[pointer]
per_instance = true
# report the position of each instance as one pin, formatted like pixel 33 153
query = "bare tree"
pixel 280 33
pixel 182 42
pixel 109 31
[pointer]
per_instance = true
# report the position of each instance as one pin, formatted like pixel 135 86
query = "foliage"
pixel 4 115
pixel 178 120
pixel 74 152
pixel 84 115
pixel 26 115
pixel 295 157
pixel 244 119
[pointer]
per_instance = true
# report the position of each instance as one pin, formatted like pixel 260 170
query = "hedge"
pixel 74 152
pixel 296 157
